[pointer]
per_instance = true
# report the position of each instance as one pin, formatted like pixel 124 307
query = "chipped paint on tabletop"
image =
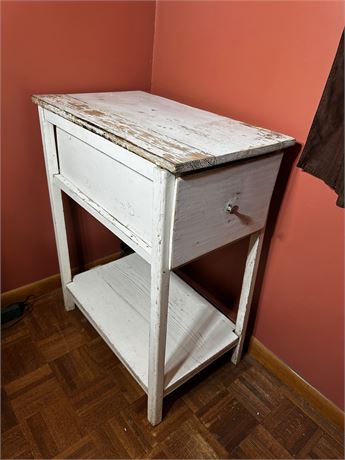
pixel 171 135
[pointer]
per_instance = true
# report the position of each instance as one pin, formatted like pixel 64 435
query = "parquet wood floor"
pixel 65 395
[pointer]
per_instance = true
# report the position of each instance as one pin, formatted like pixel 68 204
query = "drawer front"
pixel 121 191
pixel 203 221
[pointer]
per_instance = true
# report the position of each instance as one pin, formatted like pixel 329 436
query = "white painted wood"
pixel 121 191
pixel 173 136
pixel 116 299
pixel 163 199
pixel 120 154
pixel 131 239
pixel 202 221
pixel 52 167
pixel 252 263
pixel 115 151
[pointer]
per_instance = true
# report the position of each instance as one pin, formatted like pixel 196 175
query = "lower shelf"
pixel 116 300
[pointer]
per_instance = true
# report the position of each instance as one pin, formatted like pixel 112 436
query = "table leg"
pixel 55 194
pixel 163 196
pixel 252 263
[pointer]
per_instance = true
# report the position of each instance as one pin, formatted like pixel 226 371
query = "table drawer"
pixel 202 221
pixel 121 191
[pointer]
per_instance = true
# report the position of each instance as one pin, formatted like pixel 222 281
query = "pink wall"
pixel 58 47
pixel 267 63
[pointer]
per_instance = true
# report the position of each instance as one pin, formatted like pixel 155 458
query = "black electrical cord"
pixel 27 308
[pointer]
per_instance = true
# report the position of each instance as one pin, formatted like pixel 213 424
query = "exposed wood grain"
pixel 171 135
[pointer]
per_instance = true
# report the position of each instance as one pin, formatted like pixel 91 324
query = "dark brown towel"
pixel 323 154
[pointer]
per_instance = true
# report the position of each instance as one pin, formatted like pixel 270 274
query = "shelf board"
pixel 116 299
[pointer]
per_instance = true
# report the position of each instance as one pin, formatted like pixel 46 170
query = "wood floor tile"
pixel 34 398
pixel 39 436
pixel 256 392
pixel 50 315
pixel 8 417
pixel 312 413
pixel 107 443
pixel 14 444
pixel 192 440
pixel 228 372
pixel 326 447
pixel 290 426
pixel 14 333
pixel 19 358
pixel 63 423
pixel 157 453
pixel 176 413
pixel 41 323
pixel 76 370
pixel 98 403
pixel 77 330
pixel 305 451
pixel 202 392
pixel 65 395
pixel 84 448
pixel 260 444
pixel 52 347
pixel 70 376
pixel 174 416
pixel 135 441
pixel 28 381
pixel 128 387
pixel 223 412
pixel 101 355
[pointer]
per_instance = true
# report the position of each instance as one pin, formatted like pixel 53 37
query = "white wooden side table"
pixel 173 182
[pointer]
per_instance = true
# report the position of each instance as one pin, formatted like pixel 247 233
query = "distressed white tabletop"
pixel 174 136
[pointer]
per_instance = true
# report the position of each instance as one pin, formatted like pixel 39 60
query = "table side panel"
pixel 118 153
pixel 110 222
pixel 120 190
pixel 202 222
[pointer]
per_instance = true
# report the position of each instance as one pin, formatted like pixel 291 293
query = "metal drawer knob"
pixel 232 209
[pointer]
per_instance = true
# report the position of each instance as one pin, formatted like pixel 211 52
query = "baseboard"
pixel 271 362
pixel 46 285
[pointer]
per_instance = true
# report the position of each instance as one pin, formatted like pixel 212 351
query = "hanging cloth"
pixel 323 154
